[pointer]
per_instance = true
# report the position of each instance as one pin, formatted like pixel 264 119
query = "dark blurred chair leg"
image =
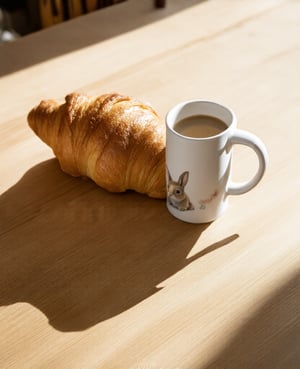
pixel 160 3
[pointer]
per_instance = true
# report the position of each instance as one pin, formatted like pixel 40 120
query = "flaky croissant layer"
pixel 115 140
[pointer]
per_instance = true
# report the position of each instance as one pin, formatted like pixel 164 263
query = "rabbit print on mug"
pixel 176 195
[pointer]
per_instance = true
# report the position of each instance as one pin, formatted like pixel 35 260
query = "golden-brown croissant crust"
pixel 115 140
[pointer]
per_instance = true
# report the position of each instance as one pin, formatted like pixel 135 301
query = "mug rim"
pixel 182 104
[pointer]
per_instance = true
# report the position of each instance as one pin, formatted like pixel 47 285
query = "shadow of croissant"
pixel 82 255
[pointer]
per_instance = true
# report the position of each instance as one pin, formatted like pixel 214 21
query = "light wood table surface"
pixel 90 279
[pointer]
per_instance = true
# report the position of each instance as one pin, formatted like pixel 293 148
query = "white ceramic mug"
pixel 198 169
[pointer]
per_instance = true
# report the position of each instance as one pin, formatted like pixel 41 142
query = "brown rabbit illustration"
pixel 176 195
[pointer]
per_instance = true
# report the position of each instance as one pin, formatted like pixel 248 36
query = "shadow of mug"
pixel 82 255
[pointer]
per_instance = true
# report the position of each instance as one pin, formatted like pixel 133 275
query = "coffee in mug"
pixel 199 141
pixel 200 126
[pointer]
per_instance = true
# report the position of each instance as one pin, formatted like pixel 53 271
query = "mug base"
pixel 196 217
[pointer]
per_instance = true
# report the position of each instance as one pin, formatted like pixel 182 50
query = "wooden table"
pixel 91 279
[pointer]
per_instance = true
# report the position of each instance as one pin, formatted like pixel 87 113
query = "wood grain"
pixel 93 280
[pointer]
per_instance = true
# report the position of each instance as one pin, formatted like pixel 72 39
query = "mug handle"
pixel 241 137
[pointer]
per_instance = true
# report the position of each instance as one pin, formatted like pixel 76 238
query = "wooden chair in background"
pixel 56 11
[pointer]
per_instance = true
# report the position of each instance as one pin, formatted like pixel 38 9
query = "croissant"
pixel 115 140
